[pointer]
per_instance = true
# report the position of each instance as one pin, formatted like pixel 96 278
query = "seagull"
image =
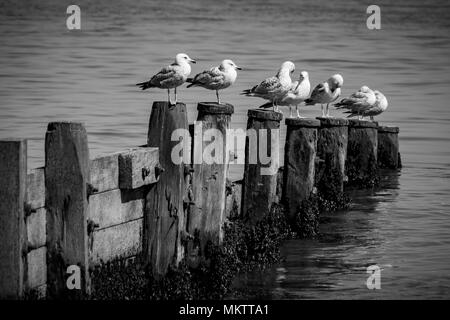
pixel 357 101
pixel 298 93
pixel 379 106
pixel 274 88
pixel 171 76
pixel 217 78
pixel 326 92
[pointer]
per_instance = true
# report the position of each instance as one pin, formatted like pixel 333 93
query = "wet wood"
pixel 164 218
pixel 362 148
pixel 332 152
pixel 299 162
pixel 259 190
pixel 13 176
pixel 37 267
pixel 66 178
pixel 210 173
pixel 137 167
pixel 388 148
pixel 233 200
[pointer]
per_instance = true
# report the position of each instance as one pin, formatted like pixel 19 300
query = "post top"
pixel 303 122
pixel 166 104
pixel 72 126
pixel 264 114
pixel 355 123
pixel 332 122
pixel 388 129
pixel 215 108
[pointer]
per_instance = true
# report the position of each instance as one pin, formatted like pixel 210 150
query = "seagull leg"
pixel 217 95
pixel 298 112
pixel 290 112
pixel 168 97
pixel 276 106
pixel 323 111
pixel 175 95
pixel 372 119
pixel 328 111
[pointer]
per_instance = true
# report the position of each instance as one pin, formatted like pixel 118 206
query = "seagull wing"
pixel 166 76
pixel 209 77
pixel 269 85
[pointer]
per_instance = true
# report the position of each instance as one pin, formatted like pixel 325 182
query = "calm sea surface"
pixel 48 73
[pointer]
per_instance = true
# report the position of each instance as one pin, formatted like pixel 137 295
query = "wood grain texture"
pixel 37 267
pixel 120 241
pixel 388 148
pixel 36 228
pixel 164 217
pixel 104 172
pixel 210 175
pixel 66 178
pixel 13 175
pixel 36 188
pixel 137 167
pixel 115 207
pixel 259 191
pixel 299 163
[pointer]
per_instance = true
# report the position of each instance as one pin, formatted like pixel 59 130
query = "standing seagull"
pixel 217 78
pixel 379 106
pixel 298 93
pixel 358 101
pixel 171 76
pixel 274 88
pixel 326 92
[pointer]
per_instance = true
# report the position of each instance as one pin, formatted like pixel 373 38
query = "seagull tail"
pixel 144 85
pixel 309 102
pixel 249 92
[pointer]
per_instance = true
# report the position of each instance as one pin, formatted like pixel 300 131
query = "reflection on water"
pixel 48 73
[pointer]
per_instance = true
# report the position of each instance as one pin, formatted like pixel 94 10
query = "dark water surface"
pixel 48 73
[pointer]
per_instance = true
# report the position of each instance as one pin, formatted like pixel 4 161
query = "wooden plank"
pixel 36 229
pixel 13 174
pixel 122 240
pixel 115 207
pixel 164 213
pixel 234 200
pixel 66 179
pixel 137 167
pixel 105 172
pixel 37 267
pixel 36 188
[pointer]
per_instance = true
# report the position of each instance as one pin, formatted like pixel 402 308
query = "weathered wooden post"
pixel 13 239
pixel 332 154
pixel 261 163
pixel 388 154
pixel 210 174
pixel 67 176
pixel 164 220
pixel 362 165
pixel 299 163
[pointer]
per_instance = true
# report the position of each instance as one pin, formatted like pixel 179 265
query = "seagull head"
pixel 183 58
pixel 303 75
pixel 365 89
pixel 229 64
pixel 381 100
pixel 286 67
pixel 336 81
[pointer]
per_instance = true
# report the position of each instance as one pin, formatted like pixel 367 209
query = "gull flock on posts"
pixel 279 89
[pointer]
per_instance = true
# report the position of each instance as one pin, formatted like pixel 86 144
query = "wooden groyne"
pixel 167 201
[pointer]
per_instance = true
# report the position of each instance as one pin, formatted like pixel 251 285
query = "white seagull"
pixel 379 106
pixel 217 78
pixel 326 92
pixel 357 101
pixel 274 88
pixel 170 77
pixel 298 93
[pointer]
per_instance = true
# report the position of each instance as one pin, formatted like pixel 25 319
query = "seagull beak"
pixel 192 60
pixel 238 68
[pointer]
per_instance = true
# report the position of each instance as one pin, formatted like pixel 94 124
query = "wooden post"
pixel 67 176
pixel 388 154
pixel 262 161
pixel 299 162
pixel 13 248
pixel 361 165
pixel 164 219
pixel 210 174
pixel 332 151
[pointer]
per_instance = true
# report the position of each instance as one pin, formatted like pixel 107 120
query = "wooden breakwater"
pixel 83 212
